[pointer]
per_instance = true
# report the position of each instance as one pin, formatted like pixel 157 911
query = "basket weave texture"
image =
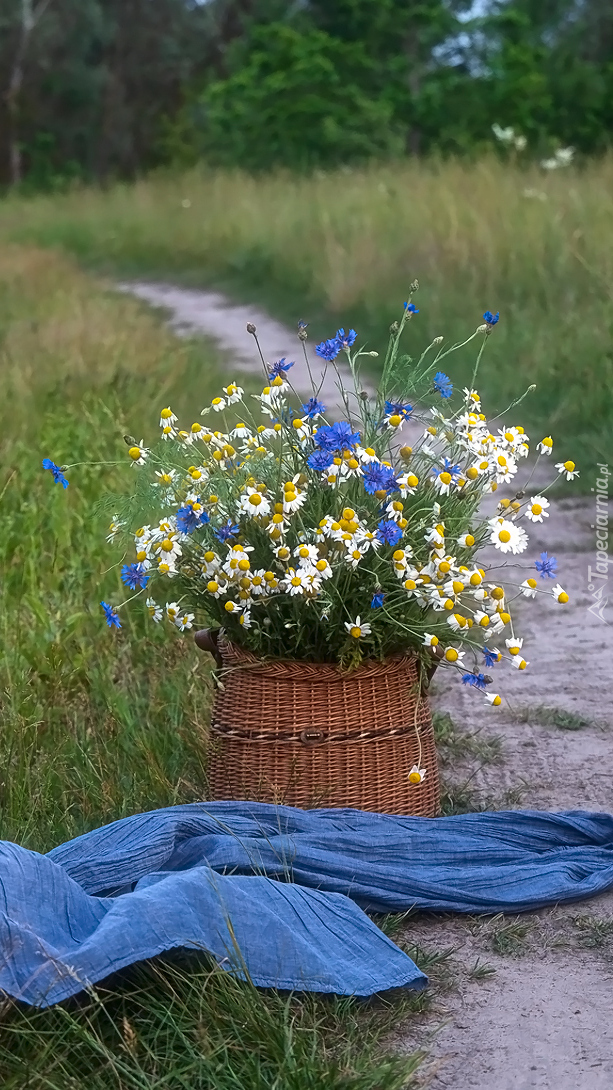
pixel 309 735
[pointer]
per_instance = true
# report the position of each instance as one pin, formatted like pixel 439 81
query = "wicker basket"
pixel 309 735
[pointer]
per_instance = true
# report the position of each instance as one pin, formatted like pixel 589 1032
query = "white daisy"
pixel 233 393
pixel 508 537
pixel 217 587
pixel 154 610
pixel 514 645
pixel 545 446
pixel 518 662
pixel 537 509
pixel 139 453
pixel 430 640
pixel 493 699
pixel 358 628
pixel 528 588
pixel 568 469
pixel 417 774
pixel 559 594
pixel 252 502
pixel 184 620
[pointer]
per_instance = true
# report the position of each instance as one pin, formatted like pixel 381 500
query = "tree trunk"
pixel 28 20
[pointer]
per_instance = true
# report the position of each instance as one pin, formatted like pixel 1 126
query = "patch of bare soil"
pixel 542 1019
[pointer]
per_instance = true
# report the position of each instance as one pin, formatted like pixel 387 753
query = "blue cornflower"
pixel 411 308
pixel 377 600
pixel 338 436
pixel 320 460
pixel 491 657
pixel 378 478
pixel 280 369
pixel 490 318
pixel 345 341
pixel 134 576
pixel 398 408
pixel 328 350
pixel 58 476
pixel 110 615
pixel 443 384
pixel 222 533
pixel 313 408
pixel 448 467
pixel 188 520
pixel 389 532
pixel 546 566
pixel 478 681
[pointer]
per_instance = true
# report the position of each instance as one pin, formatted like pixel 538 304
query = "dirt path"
pixel 198 311
pixel 542 1018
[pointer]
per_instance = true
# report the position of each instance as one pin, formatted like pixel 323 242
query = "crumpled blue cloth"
pixel 277 893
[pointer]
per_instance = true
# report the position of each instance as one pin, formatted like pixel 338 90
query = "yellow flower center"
pixel 256 500
pixel 536 509
pixel 356 631
pixel 243 565
pixel 166 545
pixel 475 579
pixel 414 777
pixel 451 654
pixel 445 477
pixel 166 413
pixel 230 607
pixel 569 466
pixel 504 536
pixel 395 420
pixel 444 566
pixel 458 587
pixel 134 453
pixel 497 701
pixel 563 597
pixel 296 581
pixel 497 593
pixel 472 473
pixel 434 641
pixel 405 452
pixel 412 480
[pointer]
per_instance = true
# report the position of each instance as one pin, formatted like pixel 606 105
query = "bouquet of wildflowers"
pixel 333 541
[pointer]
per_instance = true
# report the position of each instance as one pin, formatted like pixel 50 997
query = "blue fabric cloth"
pixel 278 893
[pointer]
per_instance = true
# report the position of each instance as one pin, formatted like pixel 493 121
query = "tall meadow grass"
pixel 343 247
pixel 95 725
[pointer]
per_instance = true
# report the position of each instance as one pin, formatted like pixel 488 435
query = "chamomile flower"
pixel 453 655
pixel 218 404
pixel 115 526
pixel 507 537
pixel 165 478
pixel 417 774
pixel 559 594
pixel 519 663
pixel 430 640
pixel 217 587
pixel 184 621
pixel 537 509
pixel 493 699
pixel 306 554
pixel 528 588
pixel 545 446
pixel 245 619
pixel 323 569
pixel 567 469
pixel 297 581
pixel 172 611
pixel 154 610
pixel 514 645
pixel 252 502
pixel 466 541
pixel 358 628
pixel 233 393
pixel 138 453
pixel 167 418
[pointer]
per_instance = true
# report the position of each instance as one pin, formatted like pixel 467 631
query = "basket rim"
pixel 305 669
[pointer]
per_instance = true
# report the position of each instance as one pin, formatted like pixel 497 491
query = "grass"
pixel 97 725
pixel 545 716
pixel 506 937
pixel 343 247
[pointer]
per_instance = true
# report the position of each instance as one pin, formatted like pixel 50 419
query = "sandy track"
pixel 197 311
pixel 543 1020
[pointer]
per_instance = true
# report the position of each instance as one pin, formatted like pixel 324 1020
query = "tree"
pixel 28 16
